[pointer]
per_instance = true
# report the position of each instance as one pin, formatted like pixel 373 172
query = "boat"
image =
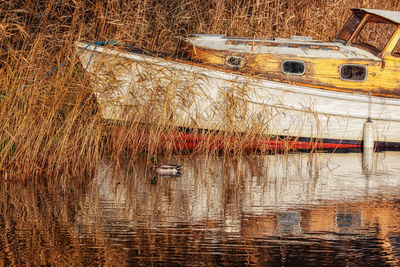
pixel 297 90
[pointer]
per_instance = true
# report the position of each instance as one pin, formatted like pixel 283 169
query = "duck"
pixel 165 169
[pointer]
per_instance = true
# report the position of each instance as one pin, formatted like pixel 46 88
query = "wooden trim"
pixel 357 31
pixel 391 43
pixel 394 43
pixel 289 44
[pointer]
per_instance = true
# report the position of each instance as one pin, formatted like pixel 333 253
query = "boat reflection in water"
pixel 263 209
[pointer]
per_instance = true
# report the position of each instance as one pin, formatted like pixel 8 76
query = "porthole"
pixel 353 72
pixel 234 61
pixel 293 67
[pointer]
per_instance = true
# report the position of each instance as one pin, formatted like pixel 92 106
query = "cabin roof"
pixel 393 16
pixel 281 47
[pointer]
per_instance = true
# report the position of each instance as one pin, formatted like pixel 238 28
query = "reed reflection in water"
pixel 314 209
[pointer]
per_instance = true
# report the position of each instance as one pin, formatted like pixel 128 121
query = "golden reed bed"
pixel 49 123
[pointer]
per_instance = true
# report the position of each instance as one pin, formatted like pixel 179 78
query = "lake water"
pixel 263 210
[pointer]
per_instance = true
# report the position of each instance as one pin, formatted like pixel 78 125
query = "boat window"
pixel 353 72
pixel 375 34
pixel 350 27
pixel 396 50
pixel 234 61
pixel 294 67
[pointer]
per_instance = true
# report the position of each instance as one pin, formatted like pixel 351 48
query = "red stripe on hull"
pixel 182 141
pixel 193 141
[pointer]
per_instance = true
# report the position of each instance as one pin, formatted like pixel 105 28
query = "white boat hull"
pixel 187 95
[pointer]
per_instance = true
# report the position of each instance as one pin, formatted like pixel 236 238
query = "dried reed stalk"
pixel 49 123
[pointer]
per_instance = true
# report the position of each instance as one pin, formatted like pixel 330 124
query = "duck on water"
pixel 170 170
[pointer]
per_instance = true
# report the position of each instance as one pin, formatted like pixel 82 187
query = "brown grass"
pixel 48 123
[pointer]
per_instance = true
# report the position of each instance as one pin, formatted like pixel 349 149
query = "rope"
pixel 97 43
pixel 103 43
pixel 90 59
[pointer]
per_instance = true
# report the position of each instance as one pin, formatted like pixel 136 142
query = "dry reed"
pixel 49 123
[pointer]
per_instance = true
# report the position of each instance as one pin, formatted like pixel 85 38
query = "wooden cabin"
pixel 364 57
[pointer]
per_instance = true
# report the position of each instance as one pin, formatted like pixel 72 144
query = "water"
pixel 263 210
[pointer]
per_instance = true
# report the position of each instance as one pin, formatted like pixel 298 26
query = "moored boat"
pixel 297 88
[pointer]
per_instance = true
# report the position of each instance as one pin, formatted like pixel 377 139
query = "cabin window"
pixel 293 67
pixel 375 34
pixel 234 61
pixel 396 50
pixel 352 72
pixel 350 27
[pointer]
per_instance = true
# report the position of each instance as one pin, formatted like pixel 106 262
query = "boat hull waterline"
pixel 193 96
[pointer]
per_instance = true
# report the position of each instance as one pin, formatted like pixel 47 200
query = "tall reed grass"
pixel 49 123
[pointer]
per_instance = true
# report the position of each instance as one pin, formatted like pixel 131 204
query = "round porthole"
pixel 353 72
pixel 234 61
pixel 293 67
